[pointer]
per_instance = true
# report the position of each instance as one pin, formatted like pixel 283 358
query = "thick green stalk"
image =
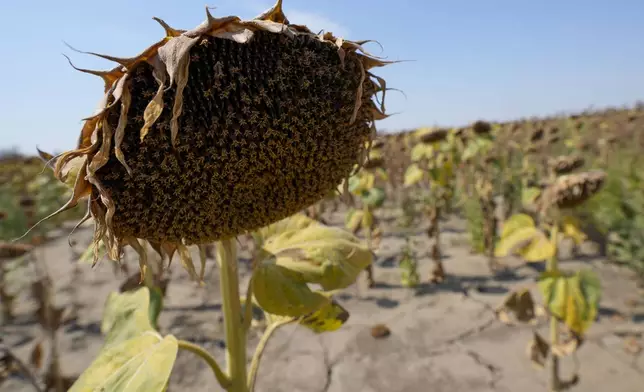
pixel 554 384
pixel 233 324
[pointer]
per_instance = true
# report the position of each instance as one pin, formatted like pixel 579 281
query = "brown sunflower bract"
pixel 221 130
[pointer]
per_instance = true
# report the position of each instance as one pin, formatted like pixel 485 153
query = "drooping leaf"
pixel 374 197
pixel 476 147
pixel 367 219
pixel 361 182
pixel 328 256
pixel 538 350
pixel 529 195
pixel 381 174
pixel 519 239
pixel 520 236
pixel 571 227
pixel 278 291
pixel 156 305
pixel 445 173
pixel 539 249
pixel 142 363
pixel 574 299
pixel 422 151
pixel 292 223
pixel 516 222
pixel 353 220
pixel 413 175
pixel 328 318
pixel 126 316
pixel 520 305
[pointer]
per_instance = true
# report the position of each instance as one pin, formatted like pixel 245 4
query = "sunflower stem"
pixel 554 384
pixel 233 324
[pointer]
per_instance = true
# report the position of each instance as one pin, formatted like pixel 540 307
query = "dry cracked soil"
pixel 444 337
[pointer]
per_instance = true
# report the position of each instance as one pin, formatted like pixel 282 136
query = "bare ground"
pixel 443 337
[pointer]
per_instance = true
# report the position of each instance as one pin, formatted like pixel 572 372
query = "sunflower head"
pixel 482 128
pixel 565 164
pixel 572 190
pixel 220 130
pixel 537 135
pixel 431 136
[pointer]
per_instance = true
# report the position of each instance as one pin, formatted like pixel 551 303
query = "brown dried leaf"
pixel 36 356
pixel 119 134
pixel 155 106
pixel 538 350
pixel 274 14
pixel 566 347
pixel 169 31
pixel 520 304
pixel 186 262
pixel 174 52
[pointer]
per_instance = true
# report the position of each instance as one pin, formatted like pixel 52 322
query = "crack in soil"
pixel 470 332
pixel 329 366
pixel 495 371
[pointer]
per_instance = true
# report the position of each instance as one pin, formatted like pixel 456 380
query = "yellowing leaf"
pixel 367 219
pixel 295 255
pixel 572 299
pixel 374 197
pixel 422 151
pixel 413 175
pixel 329 317
pixel 516 240
pixel 570 227
pixel 143 363
pixel 539 249
pixel 361 182
pixel 329 256
pixel 445 174
pixel 529 195
pixel 353 220
pixel 279 292
pixel 126 315
pixel 381 174
pixel 292 223
pixel 515 222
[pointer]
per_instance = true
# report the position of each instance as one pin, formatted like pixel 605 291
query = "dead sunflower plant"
pixel 229 128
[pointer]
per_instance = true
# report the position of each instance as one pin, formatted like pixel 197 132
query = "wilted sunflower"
pixel 221 130
pixel 429 136
pixel 565 164
pixel 482 127
pixel 537 135
pixel 572 190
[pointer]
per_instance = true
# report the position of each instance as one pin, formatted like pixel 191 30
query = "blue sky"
pixel 473 59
